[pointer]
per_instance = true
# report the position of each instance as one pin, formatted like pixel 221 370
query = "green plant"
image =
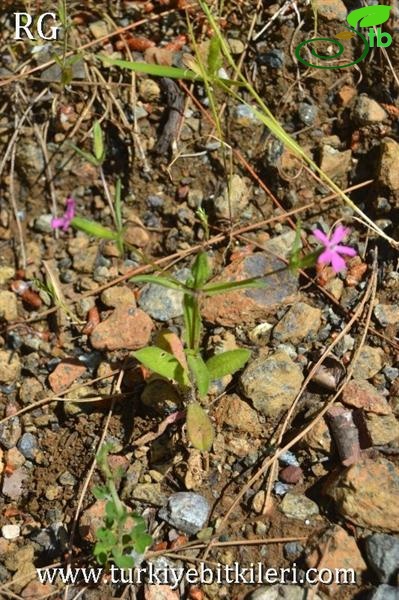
pixel 123 539
pixel 192 371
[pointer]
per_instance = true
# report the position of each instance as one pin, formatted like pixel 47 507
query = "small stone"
pixel 36 590
pixel 346 94
pixel 52 492
pixel 119 294
pixel 65 373
pixel 258 502
pixel 293 550
pixel 361 394
pixel 298 506
pixel 299 322
pixel 10 432
pixel 387 171
pixel 331 10
pixel 365 491
pixel 237 414
pixel 233 207
pixel 136 235
pixel 149 493
pixel 186 511
pixel 335 163
pixel 8 306
pixel 382 429
pixel 274 58
pixel 236 46
pixel 6 273
pixel 27 445
pixel 128 328
pixel 83 255
pixel 244 116
pixel 367 111
pixel 387 314
pixel 382 552
pixel 43 223
pixel 281 592
pixel 11 532
pixel 339 551
pixel 10 366
pixel 319 438
pixel 98 29
pixel 385 592
pixel 149 90
pixel 12 484
pixel 251 305
pixel 163 304
pixel 66 478
pixel 307 113
pixel 272 383
pixel 15 458
pixel 161 396
pixel 291 474
pixel 369 363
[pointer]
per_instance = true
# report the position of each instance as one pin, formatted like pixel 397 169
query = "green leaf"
pixel 200 372
pixel 98 143
pixel 86 155
pixel 173 284
pixel 101 493
pixel 199 428
pixel 369 16
pixel 143 542
pixel 212 289
pixel 163 363
pixel 110 511
pixel 107 537
pixel 93 228
pixel 118 204
pixel 101 553
pixel 123 561
pixel 227 363
pixel 149 69
pixel 201 270
pixel 214 56
pixel 192 322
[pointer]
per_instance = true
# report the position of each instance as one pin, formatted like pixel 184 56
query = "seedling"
pixel 191 371
pixel 123 539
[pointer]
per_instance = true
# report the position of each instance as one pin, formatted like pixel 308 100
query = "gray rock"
pixel 367 111
pixel 292 550
pixel 238 201
pixel 186 511
pixel 43 223
pixel 13 484
pixel 245 116
pixel 307 113
pixel 368 363
pixel 10 432
pixel 387 314
pixel 162 303
pixel 272 383
pixel 299 322
pixel 281 592
pixel 27 445
pixel 10 366
pixel 385 592
pixel 297 506
pixel 274 58
pixel 382 551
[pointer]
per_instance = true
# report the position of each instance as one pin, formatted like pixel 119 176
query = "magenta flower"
pixel 64 221
pixel 333 249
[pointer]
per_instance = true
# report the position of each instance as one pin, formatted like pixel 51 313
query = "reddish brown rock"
pixel 36 590
pixel 291 474
pixel 128 328
pixel 367 493
pixel 361 394
pixel 249 305
pixel 65 373
pixel 336 550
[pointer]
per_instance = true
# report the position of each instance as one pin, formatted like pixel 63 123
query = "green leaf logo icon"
pixel 369 16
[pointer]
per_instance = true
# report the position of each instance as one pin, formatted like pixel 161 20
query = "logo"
pixel 368 16
pixel 23 23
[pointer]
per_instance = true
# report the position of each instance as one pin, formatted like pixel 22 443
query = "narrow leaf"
pixel 201 270
pixel 199 428
pixel 214 56
pixel 200 372
pixel 163 363
pixel 93 228
pixel 227 363
pixel 167 282
pixel 98 142
pixel 157 70
pixel 86 155
pixel 192 321
pixel 212 289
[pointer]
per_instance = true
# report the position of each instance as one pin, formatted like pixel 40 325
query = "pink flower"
pixel 64 221
pixel 333 250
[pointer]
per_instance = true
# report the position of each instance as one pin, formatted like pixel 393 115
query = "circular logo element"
pixel 337 54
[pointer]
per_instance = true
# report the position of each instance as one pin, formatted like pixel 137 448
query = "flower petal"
pixel 321 236
pixel 339 234
pixel 326 257
pixel 345 250
pixel 57 222
pixel 337 263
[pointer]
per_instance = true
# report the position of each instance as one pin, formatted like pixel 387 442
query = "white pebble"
pixel 10 532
